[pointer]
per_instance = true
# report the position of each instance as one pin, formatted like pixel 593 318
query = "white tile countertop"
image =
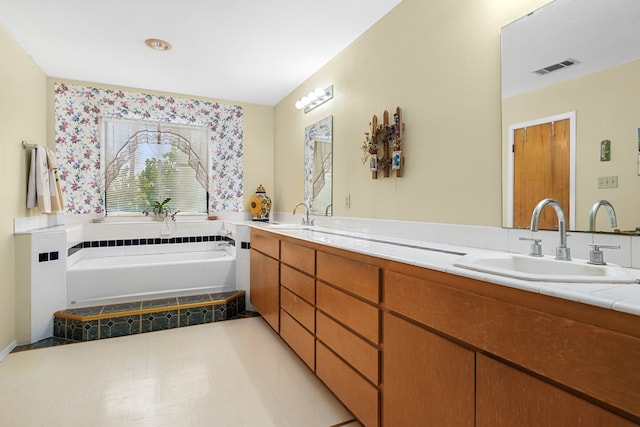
pixel 441 257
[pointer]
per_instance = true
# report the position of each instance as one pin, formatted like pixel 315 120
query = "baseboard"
pixel 4 353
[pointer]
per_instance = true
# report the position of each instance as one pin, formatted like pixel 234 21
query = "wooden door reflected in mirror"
pixel 541 170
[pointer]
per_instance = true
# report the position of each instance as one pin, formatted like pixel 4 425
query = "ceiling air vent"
pixel 563 64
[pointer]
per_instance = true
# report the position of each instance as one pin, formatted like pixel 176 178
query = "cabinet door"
pixel 265 287
pixel 508 397
pixel 427 380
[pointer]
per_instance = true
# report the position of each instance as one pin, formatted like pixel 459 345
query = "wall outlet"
pixel 607 182
pixel 347 201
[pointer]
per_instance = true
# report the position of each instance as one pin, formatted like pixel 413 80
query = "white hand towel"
pixel 42 180
pixel 31 186
pixel 57 201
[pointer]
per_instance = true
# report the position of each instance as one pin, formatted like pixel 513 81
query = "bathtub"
pixel 114 279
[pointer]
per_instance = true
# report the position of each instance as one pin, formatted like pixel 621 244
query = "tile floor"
pixel 234 373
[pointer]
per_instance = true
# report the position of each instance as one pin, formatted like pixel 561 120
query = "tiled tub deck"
pixel 115 320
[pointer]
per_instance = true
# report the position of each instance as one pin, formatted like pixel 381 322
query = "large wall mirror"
pixel 577 60
pixel 318 166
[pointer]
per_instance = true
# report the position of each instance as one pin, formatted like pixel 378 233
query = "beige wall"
pixel 22 117
pixel 257 134
pixel 607 106
pixel 438 61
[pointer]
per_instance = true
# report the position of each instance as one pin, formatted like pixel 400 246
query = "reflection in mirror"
pixel 318 165
pixel 583 57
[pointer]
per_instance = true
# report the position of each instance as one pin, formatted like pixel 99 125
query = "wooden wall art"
pixel 382 146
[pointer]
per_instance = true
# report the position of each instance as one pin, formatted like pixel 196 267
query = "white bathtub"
pixel 115 279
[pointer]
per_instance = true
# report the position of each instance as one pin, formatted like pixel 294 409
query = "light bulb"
pixel 305 101
pixel 312 96
pixel 299 105
pixel 320 93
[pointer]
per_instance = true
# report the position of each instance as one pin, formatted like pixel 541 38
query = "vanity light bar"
pixel 314 99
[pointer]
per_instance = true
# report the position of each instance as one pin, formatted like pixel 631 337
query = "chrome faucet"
pixel 327 209
pixel 562 252
pixel 306 221
pixel 594 211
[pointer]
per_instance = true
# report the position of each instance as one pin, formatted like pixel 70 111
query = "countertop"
pixel 441 257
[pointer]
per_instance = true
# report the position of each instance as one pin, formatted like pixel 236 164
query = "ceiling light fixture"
pixel 157 44
pixel 314 98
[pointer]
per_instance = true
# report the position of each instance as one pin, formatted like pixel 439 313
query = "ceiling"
pixel 254 51
pixel 597 33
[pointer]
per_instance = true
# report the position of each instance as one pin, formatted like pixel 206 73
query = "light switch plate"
pixel 607 182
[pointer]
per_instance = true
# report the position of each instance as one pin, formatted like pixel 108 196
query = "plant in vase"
pixel 162 211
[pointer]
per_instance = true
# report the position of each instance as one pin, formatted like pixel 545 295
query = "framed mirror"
pixel 318 166
pixel 579 58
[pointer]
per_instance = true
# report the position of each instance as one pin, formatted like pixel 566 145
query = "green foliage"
pixel 161 207
pixel 150 188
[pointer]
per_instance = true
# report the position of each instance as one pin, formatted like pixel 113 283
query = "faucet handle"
pixel 534 249
pixel 596 256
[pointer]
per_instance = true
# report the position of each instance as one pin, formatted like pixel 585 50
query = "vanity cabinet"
pixel 265 277
pixel 402 345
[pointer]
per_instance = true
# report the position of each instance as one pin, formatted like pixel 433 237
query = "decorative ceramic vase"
pixel 260 205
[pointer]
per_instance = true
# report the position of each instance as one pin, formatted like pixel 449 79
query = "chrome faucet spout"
pixel 327 209
pixel 304 221
pixel 562 251
pixel 594 211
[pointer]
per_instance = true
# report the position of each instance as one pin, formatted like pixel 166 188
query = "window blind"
pixel 148 162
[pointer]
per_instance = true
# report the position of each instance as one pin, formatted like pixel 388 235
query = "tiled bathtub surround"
pixel 43 282
pixel 115 320
pixel 147 241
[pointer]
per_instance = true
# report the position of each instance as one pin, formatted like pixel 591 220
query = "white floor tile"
pixel 234 373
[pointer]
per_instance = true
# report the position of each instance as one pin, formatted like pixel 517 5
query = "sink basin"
pixel 545 269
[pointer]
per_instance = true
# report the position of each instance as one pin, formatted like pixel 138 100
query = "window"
pixel 146 162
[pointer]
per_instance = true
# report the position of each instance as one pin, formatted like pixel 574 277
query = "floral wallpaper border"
pixel 77 113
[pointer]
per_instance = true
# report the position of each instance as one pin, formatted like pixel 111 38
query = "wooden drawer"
pixel 298 283
pixel 354 391
pixel 353 349
pixel 363 318
pixel 353 276
pixel 298 308
pixel 298 338
pixel 265 244
pixel 300 257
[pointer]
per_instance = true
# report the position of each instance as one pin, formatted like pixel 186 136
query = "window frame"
pixel 159 124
